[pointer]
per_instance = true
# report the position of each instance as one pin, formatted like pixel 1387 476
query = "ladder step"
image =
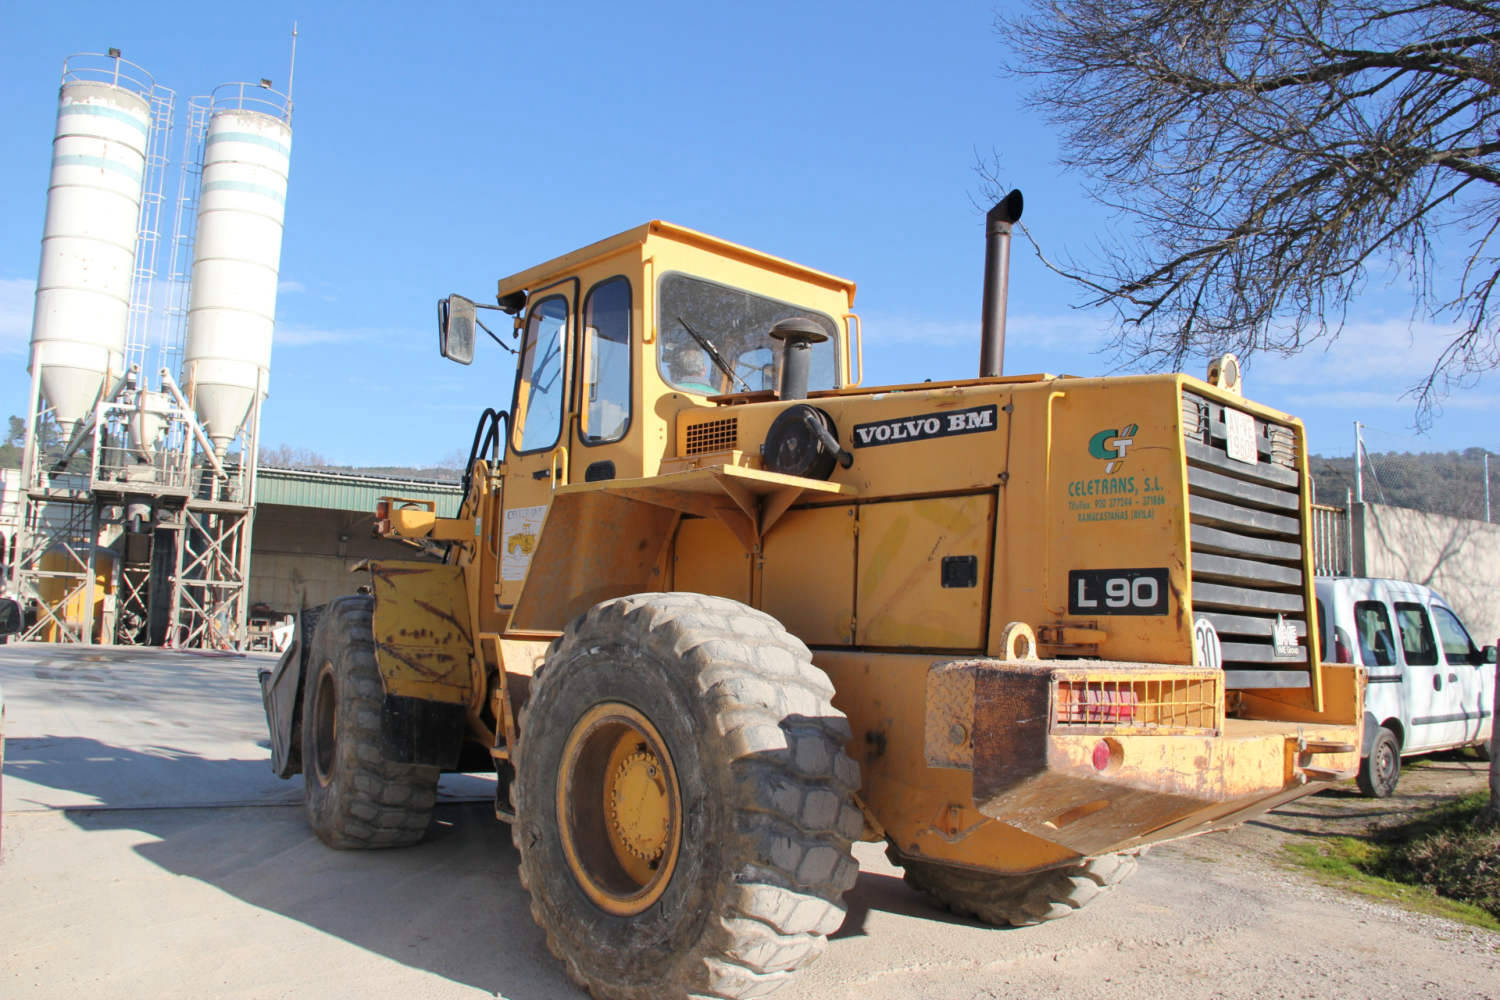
pixel 1323 746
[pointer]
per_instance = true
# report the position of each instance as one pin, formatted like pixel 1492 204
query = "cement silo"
pixel 236 257
pixel 89 239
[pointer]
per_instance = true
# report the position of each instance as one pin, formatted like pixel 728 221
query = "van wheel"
pixel 1379 772
pixel 1486 750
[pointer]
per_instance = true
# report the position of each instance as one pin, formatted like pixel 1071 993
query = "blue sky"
pixel 439 146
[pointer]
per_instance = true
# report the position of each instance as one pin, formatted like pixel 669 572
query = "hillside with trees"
pixel 1445 482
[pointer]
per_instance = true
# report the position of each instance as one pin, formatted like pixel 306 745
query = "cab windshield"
pixel 715 339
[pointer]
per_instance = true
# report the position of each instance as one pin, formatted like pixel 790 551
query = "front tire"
pixel 354 797
pixel 684 807
pixel 1017 900
pixel 1379 772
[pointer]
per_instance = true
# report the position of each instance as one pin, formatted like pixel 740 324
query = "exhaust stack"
pixel 997 225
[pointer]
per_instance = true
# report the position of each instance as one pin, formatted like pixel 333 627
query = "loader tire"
pixel 354 797
pixel 1018 900
pixel 684 807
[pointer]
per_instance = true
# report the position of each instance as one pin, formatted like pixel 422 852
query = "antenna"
pixel 291 72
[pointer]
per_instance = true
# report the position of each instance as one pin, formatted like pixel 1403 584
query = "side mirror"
pixel 10 616
pixel 1489 654
pixel 456 329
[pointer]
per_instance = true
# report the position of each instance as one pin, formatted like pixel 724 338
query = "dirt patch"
pixel 1342 811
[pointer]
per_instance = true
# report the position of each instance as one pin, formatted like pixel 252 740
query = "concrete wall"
pixel 1457 557
pixel 304 550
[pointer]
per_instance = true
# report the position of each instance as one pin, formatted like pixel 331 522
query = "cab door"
pixel 1466 675
pixel 1431 698
pixel 537 452
pixel 606 435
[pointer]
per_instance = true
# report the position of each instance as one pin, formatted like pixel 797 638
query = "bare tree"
pixel 1274 156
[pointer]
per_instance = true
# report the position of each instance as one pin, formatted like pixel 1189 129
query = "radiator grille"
pixel 711 435
pixel 1177 704
pixel 1245 540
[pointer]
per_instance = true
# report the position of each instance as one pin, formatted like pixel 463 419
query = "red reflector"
pixel 1101 756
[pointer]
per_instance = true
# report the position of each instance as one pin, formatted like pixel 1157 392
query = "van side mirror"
pixel 10 616
pixel 456 329
pixel 1490 654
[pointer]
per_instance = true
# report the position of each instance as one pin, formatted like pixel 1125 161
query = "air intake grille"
pixel 711 435
pixel 1246 547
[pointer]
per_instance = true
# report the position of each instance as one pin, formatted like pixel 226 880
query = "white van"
pixel 1430 687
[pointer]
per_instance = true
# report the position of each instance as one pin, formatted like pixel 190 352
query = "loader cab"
pixel 616 340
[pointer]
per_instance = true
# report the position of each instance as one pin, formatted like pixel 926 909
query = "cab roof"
pixel 558 267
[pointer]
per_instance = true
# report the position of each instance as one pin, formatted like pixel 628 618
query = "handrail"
pixel 111 73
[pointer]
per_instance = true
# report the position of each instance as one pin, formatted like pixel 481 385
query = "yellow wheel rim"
pixel 619 809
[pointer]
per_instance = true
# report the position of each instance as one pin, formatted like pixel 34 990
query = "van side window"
pixel 1457 646
pixel 1377 647
pixel 1416 635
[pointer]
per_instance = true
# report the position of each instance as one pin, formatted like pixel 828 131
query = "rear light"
pixel 382 510
pixel 1341 651
pixel 1101 756
pixel 1108 754
pixel 1095 703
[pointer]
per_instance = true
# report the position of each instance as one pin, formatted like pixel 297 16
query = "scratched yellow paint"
pixel 423 642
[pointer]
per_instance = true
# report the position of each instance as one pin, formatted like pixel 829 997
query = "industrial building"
pixel 311 529
pixel 133 512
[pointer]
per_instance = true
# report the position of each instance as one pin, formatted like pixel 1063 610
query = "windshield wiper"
pixel 713 353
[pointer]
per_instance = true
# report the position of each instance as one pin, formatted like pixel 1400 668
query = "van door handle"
pixel 1452 678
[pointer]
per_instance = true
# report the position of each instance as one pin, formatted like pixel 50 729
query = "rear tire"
pixel 1379 772
pixel 354 797
pixel 684 807
pixel 1017 900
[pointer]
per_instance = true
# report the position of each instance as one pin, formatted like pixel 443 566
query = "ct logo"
pixel 1206 649
pixel 1111 445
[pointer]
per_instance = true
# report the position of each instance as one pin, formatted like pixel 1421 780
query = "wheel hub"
pixel 618 808
pixel 639 806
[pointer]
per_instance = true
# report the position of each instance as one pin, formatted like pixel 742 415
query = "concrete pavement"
pixel 148 851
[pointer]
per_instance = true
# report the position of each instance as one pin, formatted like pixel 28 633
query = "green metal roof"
pixel 343 491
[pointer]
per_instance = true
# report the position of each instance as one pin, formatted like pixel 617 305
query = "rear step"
pixel 1313 773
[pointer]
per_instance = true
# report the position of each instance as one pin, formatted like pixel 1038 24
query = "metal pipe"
pixel 797 334
pixel 997 226
pixel 1359 462
pixel 192 422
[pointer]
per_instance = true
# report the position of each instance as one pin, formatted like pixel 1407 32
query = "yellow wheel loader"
pixel 712 610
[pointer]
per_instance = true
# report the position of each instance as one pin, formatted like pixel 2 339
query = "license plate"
pixel 1239 432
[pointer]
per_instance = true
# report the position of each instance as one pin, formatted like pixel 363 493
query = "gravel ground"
pixel 147 851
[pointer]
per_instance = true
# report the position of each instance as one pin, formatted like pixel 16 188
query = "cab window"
pixel 715 339
pixel 538 407
pixel 1416 635
pixel 606 356
pixel 1377 645
pixel 1457 646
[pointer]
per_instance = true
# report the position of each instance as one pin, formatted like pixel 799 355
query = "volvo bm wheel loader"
pixel 712 611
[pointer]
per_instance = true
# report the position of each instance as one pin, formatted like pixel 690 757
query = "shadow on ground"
pixel 451 906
